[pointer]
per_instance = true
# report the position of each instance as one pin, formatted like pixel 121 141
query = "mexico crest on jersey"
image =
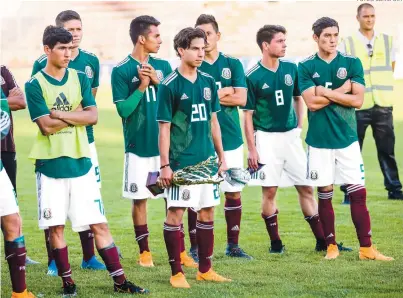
pixel 341 73
pixel 89 72
pixel 226 73
pixel 2 82
pixel 207 93
pixel 160 75
pixel 47 213
pixel 288 80
pixel 186 195
pixel 314 175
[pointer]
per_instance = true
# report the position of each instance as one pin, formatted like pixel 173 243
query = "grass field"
pixel 300 272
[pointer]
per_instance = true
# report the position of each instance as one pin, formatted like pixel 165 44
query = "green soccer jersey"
pixel 140 129
pixel 188 107
pixel 62 167
pixel 227 71
pixel 334 126
pixel 5 121
pixel 270 96
pixel 86 62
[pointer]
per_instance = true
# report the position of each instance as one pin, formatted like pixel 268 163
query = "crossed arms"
pixel 319 97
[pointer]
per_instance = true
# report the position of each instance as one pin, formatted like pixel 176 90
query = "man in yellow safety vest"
pixel 377 54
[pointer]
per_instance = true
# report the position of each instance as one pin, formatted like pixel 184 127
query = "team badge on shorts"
pixel 262 175
pixel 341 73
pixel 2 80
pixel 186 195
pixel 160 75
pixel 133 188
pixel 88 72
pixel 226 73
pixel 313 175
pixel 207 93
pixel 47 213
pixel 288 80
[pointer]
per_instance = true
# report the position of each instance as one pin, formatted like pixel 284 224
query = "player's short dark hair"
pixel 323 23
pixel 207 19
pixel 53 34
pixel 184 38
pixel 267 32
pixel 66 16
pixel 362 6
pixel 141 26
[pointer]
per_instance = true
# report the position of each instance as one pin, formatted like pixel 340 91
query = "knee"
pixel 100 229
pixel 56 232
pixel 206 214
pixel 11 225
pixel 306 192
pixel 269 193
pixel 232 195
pixel 174 216
pixel 325 188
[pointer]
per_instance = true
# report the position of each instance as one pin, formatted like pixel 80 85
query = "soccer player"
pixel 14 244
pixel 188 134
pixel 89 64
pixel 273 119
pixel 229 77
pixel 16 101
pixel 60 102
pixel 332 86
pixel 135 82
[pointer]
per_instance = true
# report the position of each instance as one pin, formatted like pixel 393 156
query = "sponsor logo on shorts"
pixel 89 72
pixel 160 75
pixel 207 93
pixel 47 213
pixel 186 195
pixel 341 73
pixel 288 80
pixel 133 188
pixel 313 175
pixel 226 73
pixel 262 175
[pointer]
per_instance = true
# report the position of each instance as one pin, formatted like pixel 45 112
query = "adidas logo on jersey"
pixel 265 86
pixel 184 96
pixel 315 75
pixel 135 79
pixel 62 104
pixel 235 228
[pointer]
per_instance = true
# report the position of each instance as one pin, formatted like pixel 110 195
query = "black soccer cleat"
pixel 129 288
pixel 321 246
pixel 69 290
pixel 277 247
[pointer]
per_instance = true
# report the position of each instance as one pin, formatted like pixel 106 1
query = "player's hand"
pixel 165 178
pixel 223 166
pixel 150 71
pixel 225 91
pixel 253 159
pixel 15 92
pixel 144 78
pixel 346 87
pixel 54 114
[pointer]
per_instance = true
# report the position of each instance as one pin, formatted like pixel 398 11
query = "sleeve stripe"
pixel 240 87
pixel 33 120
pixel 357 83
pixel 162 120
pixel 89 106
